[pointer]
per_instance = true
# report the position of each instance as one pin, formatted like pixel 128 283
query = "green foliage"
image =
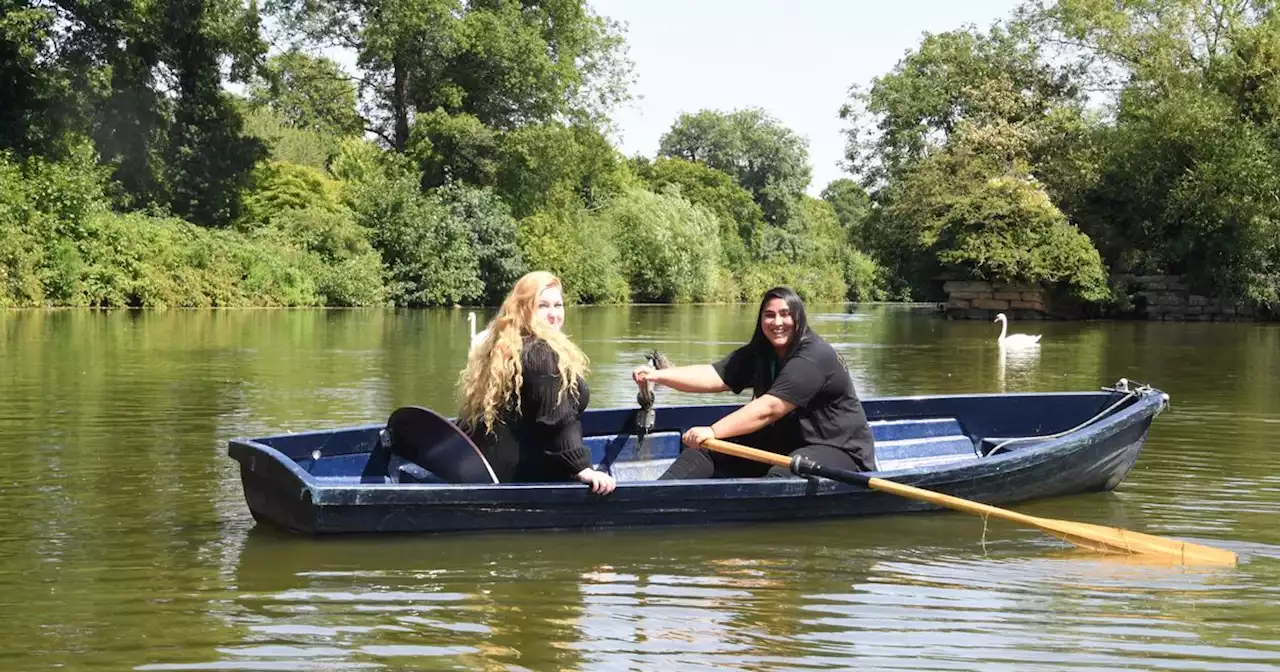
pixel 532 167
pixel 33 116
pixel 278 187
pixel 548 163
pixel 505 64
pixel 145 80
pixel 1185 176
pixel 493 236
pixel 60 245
pixel 288 144
pixel 670 249
pixel 852 206
pixel 763 156
pixel 813 282
pixel 209 160
pixel 453 147
pixel 347 271
pixel 359 161
pixel 426 250
pixel 741 221
pixel 863 278
pixel 309 94
pixel 954 77
pixel 995 226
pixel 1187 188
pixel 578 248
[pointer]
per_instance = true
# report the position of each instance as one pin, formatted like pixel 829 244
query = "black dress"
pixel 543 442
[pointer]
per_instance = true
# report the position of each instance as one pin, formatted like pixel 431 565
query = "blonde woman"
pixel 523 392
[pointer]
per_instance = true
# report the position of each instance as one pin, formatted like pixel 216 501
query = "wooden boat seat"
pixel 921 442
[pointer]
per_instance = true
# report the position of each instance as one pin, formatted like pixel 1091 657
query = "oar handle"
pixel 747 453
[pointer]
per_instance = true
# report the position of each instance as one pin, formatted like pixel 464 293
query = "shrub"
pixel 669 248
pixel 579 249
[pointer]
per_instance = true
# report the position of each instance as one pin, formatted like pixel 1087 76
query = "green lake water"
pixel 125 543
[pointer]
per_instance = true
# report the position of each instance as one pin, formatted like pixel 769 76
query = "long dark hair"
pixel 761 345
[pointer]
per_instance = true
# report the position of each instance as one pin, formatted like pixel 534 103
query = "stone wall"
pixel 982 300
pixel 1143 297
pixel 1167 297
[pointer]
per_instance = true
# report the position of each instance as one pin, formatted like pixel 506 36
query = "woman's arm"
pixel 695 378
pixel 761 412
pixel 556 426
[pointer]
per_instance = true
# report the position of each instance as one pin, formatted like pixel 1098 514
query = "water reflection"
pixel 1018 366
pixel 128 544
pixel 757 597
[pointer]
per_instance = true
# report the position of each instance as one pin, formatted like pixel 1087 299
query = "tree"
pixel 766 158
pixel 426 245
pixel 144 80
pixel 493 235
pixel 308 93
pixel 670 251
pixel 966 211
pixel 950 78
pixel 32 117
pixel 852 207
pixel 1185 181
pixel 506 64
pixel 741 220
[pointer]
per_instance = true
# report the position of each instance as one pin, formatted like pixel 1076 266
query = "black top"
pixel 815 379
pixel 543 442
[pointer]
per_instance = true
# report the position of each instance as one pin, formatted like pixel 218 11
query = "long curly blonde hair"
pixel 494 372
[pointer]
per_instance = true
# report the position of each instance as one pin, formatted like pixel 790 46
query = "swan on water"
pixel 476 339
pixel 1013 339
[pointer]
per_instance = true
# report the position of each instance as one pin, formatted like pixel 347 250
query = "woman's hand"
pixel 644 374
pixel 600 482
pixel 697 435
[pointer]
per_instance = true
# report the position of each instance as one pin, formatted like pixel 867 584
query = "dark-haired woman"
pixel 804 402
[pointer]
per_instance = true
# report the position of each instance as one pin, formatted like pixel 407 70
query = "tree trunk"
pixel 400 102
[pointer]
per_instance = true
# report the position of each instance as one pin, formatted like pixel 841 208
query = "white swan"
pixel 476 339
pixel 1013 340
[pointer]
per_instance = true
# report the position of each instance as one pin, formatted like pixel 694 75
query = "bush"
pixel 741 220
pixel 813 282
pixel 1007 230
pixel 346 268
pixel 493 235
pixel 288 144
pixel 579 249
pixel 278 187
pixel 863 277
pixel 426 250
pixel 670 249
pixel 60 245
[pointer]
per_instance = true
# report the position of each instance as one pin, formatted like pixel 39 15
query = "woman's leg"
pixel 691 463
pixel 703 463
pixel 825 455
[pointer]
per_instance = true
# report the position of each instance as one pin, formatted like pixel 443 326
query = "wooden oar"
pixel 1095 537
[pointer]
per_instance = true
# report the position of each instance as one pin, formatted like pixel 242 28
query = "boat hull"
pixel 282 488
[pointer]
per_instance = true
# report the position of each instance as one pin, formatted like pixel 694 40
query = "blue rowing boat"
pixel 991 448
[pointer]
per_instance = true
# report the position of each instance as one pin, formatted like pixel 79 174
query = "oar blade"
pixel 1118 540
